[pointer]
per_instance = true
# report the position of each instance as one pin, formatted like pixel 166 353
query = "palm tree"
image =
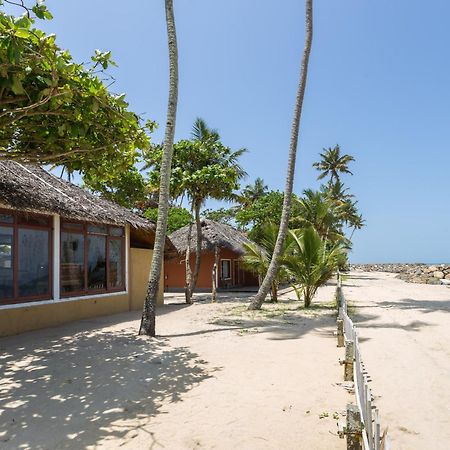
pixel 319 211
pixel 258 255
pixel 333 163
pixel 337 192
pixel 211 171
pixel 311 263
pixel 252 192
pixel 147 326
pixel 344 206
pixel 201 131
pixel 264 288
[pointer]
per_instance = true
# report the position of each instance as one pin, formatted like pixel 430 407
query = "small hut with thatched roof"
pixel 66 254
pixel 222 245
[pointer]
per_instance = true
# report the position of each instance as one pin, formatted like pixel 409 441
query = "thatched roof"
pixel 213 234
pixel 30 188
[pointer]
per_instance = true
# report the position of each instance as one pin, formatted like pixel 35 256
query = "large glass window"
pixel 116 263
pixel 96 262
pixel 33 262
pixel 92 258
pixel 25 259
pixel 72 262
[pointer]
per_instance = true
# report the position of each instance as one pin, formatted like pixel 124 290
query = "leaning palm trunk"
pixel 273 267
pixel 148 314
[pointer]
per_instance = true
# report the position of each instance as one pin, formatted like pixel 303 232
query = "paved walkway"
pixel 405 341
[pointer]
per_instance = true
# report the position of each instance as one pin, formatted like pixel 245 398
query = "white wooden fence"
pixel 365 434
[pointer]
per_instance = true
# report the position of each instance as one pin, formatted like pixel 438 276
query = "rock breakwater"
pixel 412 273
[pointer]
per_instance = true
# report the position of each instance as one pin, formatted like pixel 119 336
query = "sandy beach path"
pixel 216 378
pixel 405 341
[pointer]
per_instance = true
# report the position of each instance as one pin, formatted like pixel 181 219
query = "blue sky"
pixel 378 85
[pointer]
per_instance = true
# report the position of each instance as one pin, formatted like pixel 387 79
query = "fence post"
pixel 349 357
pixel 377 434
pixel 340 333
pixel 368 406
pixel 354 428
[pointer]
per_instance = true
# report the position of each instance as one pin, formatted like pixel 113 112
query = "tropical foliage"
pixel 202 168
pixel 317 243
pixel 333 164
pixel 257 257
pixel 55 110
pixel 127 188
pixel 178 217
pixel 310 261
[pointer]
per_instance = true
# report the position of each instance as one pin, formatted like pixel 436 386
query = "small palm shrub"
pixel 258 255
pixel 310 262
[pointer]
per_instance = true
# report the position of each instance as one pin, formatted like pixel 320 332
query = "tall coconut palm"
pixel 147 326
pixel 333 163
pixel 202 133
pixel 257 301
pixel 206 169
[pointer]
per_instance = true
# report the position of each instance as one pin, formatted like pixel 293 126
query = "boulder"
pixel 438 274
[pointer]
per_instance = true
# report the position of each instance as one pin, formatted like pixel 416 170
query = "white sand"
pixel 405 333
pixel 210 381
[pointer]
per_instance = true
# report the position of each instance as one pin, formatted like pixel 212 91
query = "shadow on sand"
pixel 426 306
pixel 283 320
pixel 77 386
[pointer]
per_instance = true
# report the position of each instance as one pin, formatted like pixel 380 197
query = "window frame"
pixel 16 225
pixel 83 230
pixel 229 269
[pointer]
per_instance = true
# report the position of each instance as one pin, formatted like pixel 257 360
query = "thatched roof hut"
pixel 213 234
pixel 32 189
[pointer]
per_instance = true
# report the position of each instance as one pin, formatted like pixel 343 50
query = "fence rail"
pixel 363 425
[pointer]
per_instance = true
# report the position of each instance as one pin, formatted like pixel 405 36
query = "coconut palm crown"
pixel 333 164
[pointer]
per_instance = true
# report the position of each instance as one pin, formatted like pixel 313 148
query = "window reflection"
pixel 115 263
pixel 96 262
pixel 33 259
pixel 6 262
pixel 72 262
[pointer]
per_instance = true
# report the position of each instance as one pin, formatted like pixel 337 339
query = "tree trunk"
pixel 307 298
pixel 147 326
pixel 214 274
pixel 274 291
pixel 198 247
pixel 273 267
pixel 187 287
